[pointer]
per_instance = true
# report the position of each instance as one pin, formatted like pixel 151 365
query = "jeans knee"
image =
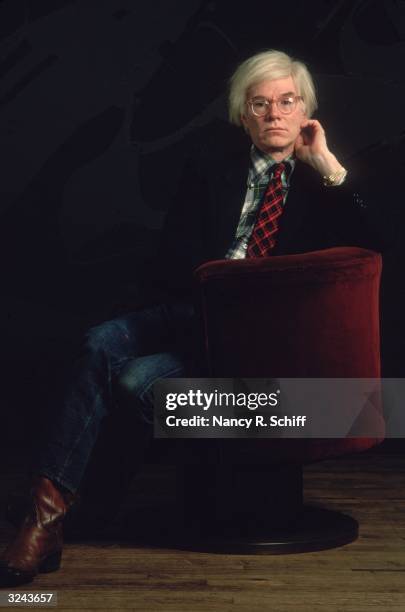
pixel 130 382
pixel 132 394
pixel 100 338
pixel 137 378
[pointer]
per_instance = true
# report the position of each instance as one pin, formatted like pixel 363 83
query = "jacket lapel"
pixel 293 232
pixel 230 190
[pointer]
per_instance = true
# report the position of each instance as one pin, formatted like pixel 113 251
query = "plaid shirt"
pixel 258 179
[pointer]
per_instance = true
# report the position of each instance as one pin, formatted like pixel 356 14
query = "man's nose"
pixel 272 110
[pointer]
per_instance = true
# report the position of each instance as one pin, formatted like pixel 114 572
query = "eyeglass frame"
pixel 276 102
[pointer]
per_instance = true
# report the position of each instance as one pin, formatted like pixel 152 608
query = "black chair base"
pixel 312 530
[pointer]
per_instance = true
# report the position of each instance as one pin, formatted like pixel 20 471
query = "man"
pixel 280 191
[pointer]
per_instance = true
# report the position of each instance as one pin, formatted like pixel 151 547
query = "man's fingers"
pixel 313 123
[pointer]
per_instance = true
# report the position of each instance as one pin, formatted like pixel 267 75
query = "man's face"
pixel 275 132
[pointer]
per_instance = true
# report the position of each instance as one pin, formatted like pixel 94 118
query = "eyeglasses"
pixel 285 104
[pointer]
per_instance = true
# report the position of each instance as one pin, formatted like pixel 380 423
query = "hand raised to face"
pixel 311 141
pixel 311 148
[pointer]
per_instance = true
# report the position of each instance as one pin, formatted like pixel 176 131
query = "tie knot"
pixel 278 170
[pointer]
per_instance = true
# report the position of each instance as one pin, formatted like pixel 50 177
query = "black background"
pixel 100 103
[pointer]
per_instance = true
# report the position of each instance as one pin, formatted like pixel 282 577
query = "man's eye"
pixel 286 101
pixel 259 103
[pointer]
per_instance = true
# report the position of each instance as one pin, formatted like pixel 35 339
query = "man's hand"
pixel 311 148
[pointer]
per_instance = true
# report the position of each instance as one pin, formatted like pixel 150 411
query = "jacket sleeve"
pixel 362 213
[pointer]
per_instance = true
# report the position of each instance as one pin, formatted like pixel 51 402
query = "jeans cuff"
pixel 57 479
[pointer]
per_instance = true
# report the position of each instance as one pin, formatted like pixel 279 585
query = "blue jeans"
pixel 136 349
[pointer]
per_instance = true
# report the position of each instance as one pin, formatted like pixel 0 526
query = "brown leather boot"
pixel 38 544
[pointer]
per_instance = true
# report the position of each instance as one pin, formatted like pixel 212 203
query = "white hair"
pixel 267 66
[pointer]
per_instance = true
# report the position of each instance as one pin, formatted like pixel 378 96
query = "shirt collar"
pixel 261 163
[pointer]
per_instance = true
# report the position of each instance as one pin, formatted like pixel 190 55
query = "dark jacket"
pixel 203 219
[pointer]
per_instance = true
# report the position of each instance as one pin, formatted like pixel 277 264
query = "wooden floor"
pixel 366 575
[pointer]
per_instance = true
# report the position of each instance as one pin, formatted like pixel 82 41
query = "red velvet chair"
pixel 321 315
pixel 311 315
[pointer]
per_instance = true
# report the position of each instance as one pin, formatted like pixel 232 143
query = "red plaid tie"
pixel 263 237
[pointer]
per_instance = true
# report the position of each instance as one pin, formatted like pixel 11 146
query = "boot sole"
pixel 9 577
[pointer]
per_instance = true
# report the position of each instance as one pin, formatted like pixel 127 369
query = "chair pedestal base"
pixel 256 508
pixel 242 510
pixel 312 529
